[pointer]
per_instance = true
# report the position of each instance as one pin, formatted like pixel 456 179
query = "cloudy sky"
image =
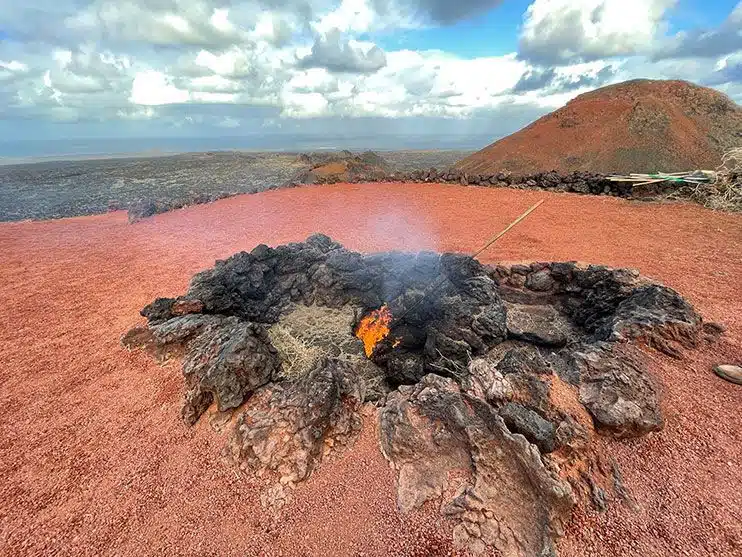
pixel 186 68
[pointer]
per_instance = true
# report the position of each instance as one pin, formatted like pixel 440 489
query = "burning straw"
pixel 374 328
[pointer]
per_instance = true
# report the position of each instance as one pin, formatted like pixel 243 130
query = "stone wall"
pixel 576 182
pixel 361 170
pixel 612 305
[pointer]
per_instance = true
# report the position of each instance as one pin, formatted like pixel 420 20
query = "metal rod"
pixel 443 278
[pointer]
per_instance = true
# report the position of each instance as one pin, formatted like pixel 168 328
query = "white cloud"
pixel 65 82
pixel 137 113
pixel 339 54
pixel 12 70
pixel 304 105
pixel 274 29
pixel 355 16
pixel 313 80
pixel 212 97
pixel 213 84
pixel 563 31
pixel 233 62
pixel 13 66
pixel 167 22
pixel 154 88
pixel 412 84
pixel 549 81
pixel 62 57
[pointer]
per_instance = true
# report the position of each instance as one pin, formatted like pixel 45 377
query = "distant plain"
pixel 66 188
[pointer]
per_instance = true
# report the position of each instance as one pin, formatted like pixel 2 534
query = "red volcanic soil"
pixel 95 460
pixel 635 126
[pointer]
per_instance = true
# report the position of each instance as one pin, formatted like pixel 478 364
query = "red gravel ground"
pixel 94 459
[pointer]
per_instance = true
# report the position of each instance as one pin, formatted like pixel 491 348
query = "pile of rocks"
pixel 146 207
pixel 488 394
pixel 328 168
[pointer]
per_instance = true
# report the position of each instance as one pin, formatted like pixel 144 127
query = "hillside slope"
pixel 635 126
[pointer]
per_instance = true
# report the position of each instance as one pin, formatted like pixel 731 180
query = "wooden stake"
pixel 650 182
pixel 511 225
pixel 439 282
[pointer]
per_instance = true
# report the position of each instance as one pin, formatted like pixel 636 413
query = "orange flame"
pixel 374 328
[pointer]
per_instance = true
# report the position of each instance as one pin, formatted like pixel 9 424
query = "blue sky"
pixel 698 13
pixel 239 68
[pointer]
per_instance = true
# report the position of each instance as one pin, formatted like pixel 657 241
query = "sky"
pixel 281 68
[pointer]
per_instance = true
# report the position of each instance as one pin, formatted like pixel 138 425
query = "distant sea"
pixel 12 152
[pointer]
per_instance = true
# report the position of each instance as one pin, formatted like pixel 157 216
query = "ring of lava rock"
pixel 501 379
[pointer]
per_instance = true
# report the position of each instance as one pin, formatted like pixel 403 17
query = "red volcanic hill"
pixel 635 126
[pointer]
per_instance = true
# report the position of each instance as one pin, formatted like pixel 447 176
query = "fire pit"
pixel 501 376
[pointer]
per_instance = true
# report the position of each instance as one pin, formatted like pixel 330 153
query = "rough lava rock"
pixel 508 498
pixel 538 324
pixel 224 359
pixel 490 386
pixel 141 209
pixel 287 428
pixel 620 395
pixel 530 424
pixel 657 315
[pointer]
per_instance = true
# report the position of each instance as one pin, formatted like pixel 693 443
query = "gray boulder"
pixel 224 358
pixel 539 324
pixel 509 499
pixel 656 314
pixel 141 209
pixel 528 423
pixel 288 427
pixel 617 390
